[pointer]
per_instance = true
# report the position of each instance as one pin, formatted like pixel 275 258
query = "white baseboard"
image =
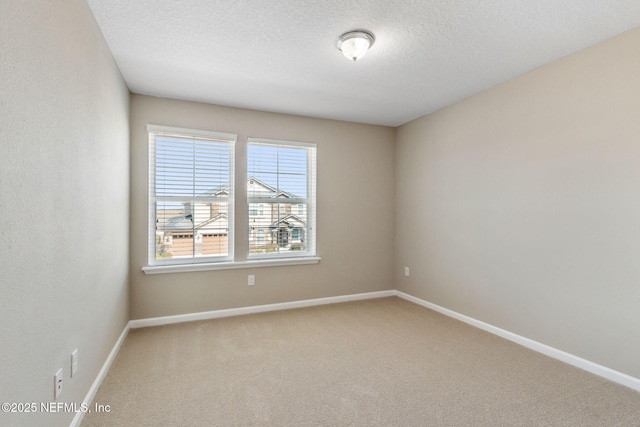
pixel 578 362
pixel 215 314
pixel 77 420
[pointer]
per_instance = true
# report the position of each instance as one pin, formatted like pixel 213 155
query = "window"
pixel 281 194
pixel 191 202
pixel 190 196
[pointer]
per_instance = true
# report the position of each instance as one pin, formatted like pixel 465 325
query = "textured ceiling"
pixel 281 56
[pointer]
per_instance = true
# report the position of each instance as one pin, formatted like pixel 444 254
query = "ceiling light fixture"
pixel 355 44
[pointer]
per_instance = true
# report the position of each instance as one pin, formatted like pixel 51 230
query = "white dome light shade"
pixel 355 44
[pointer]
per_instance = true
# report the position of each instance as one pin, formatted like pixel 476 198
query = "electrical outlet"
pixel 57 383
pixel 74 363
pixel 252 280
pixel 406 271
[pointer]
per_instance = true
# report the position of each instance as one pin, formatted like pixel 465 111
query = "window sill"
pixel 185 268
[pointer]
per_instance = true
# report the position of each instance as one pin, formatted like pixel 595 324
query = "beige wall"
pixel 520 206
pixel 64 203
pixel 354 219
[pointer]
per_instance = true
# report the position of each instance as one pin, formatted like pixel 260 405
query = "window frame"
pixel 309 201
pixel 233 260
pixel 230 139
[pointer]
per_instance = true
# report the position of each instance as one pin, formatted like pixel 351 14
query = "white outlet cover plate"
pixel 57 383
pixel 74 362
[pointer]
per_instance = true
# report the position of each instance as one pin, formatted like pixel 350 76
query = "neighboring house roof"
pixel 185 223
pixel 253 180
pixel 290 220
pixel 217 191
pixel 224 190
pixel 181 222
pixel 218 218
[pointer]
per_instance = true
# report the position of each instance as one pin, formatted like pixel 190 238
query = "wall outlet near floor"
pixel 74 363
pixel 252 280
pixel 57 383
pixel 406 271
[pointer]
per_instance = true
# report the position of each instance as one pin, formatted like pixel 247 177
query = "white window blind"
pixel 281 197
pixel 190 195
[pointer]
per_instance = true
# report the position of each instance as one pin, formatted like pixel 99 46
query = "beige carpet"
pixel 384 362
